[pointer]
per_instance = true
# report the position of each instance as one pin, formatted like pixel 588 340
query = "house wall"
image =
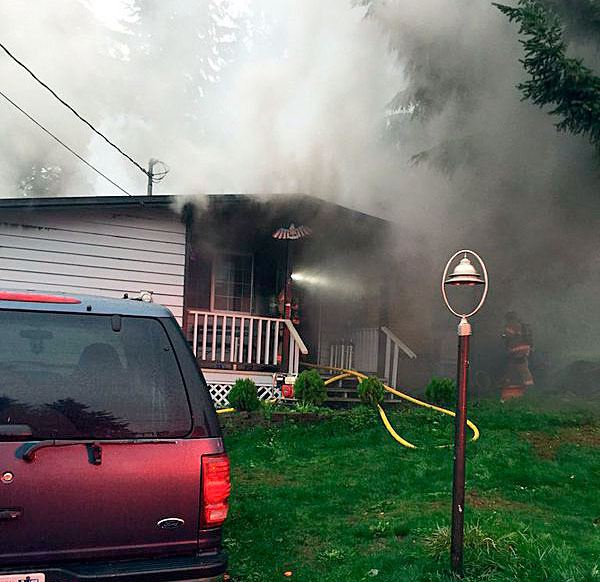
pixel 413 303
pixel 99 251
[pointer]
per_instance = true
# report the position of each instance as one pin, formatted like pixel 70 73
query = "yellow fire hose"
pixel 343 373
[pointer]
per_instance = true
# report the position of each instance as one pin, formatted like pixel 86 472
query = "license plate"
pixel 22 578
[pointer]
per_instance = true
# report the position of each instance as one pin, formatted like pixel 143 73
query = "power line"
pixel 66 146
pixel 24 66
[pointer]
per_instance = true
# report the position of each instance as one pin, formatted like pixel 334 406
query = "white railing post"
pixel 392 339
pixel 291 356
pixel 374 349
pixel 259 340
pixel 214 338
pixel 242 330
pixel 232 349
pixel 296 359
pixel 250 338
pixel 235 344
pixel 268 343
pixel 223 336
pixel 276 343
pixel 195 344
pixel 394 379
pixel 388 356
pixel 204 334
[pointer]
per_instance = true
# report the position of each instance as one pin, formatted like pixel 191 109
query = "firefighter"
pixel 518 343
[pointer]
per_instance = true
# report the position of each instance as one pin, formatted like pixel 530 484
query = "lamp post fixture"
pixel 464 274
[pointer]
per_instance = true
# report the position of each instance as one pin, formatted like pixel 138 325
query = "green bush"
pixel 441 391
pixel 359 418
pixel 309 388
pixel 243 395
pixel 371 391
pixel 303 408
pixel 267 408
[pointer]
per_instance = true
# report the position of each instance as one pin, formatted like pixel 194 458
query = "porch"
pixel 256 306
pixel 229 346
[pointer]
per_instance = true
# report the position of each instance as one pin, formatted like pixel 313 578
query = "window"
pixel 232 283
pixel 74 376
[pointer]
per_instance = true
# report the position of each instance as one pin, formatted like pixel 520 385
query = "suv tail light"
pixel 216 486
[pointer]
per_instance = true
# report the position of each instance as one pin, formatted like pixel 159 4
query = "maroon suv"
pixel 112 465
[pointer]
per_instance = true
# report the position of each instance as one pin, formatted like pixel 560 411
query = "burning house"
pixel 258 285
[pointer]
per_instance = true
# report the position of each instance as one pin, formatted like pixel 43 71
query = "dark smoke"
pixel 518 191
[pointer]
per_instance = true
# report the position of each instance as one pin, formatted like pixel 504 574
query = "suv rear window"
pixel 90 376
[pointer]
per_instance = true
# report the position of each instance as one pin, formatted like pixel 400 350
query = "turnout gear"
pixel 518 342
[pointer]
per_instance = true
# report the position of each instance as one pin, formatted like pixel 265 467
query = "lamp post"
pixel 464 274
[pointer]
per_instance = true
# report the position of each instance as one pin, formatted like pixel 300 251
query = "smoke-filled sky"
pixel 332 98
pixel 236 96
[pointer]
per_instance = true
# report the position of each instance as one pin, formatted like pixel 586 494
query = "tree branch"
pixel 556 80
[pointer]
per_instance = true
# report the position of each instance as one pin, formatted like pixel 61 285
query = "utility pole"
pixel 150 173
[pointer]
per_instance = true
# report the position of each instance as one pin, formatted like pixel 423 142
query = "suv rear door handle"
pixel 10 514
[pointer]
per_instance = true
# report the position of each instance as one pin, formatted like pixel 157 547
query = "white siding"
pixel 100 252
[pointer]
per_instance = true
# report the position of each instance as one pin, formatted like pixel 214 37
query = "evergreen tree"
pixel 558 80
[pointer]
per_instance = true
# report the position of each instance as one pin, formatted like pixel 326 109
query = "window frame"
pixel 213 270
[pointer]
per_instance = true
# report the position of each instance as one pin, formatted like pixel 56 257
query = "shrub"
pixel 309 388
pixel 267 408
pixel 371 391
pixel 304 408
pixel 359 418
pixel 441 391
pixel 243 395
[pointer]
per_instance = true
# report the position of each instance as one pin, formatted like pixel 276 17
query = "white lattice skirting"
pixel 219 393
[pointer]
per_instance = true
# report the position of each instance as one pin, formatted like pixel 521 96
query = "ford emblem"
pixel 170 523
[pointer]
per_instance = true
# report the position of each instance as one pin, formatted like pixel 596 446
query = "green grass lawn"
pixel 341 501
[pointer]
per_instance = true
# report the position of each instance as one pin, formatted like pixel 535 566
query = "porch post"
pixel 287 310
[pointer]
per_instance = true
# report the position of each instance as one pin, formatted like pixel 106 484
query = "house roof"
pixel 86 201
pixel 164 200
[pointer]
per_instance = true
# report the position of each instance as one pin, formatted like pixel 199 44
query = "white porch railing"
pixel 393 346
pixel 359 352
pixel 236 338
pixel 366 349
pixel 362 351
pixel 341 355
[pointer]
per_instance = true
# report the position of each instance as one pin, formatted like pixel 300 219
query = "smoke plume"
pixel 407 110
